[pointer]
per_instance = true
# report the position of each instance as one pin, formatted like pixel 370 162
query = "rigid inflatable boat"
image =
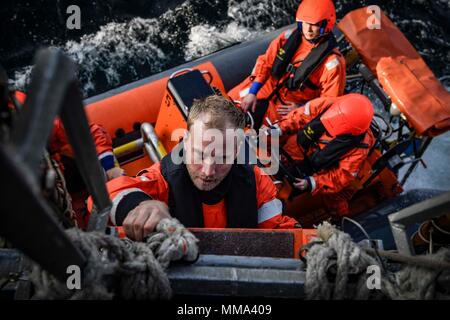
pixel 381 58
pixel 140 116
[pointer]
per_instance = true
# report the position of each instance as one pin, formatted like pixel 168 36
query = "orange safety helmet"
pixel 350 114
pixel 316 11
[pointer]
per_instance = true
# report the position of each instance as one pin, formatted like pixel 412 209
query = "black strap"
pixel 182 194
pixel 260 111
pixel 127 204
pixel 285 54
pixel 311 62
pixel 311 133
pixel 331 155
pixel 300 75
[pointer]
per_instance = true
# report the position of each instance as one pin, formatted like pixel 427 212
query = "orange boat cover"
pixel 401 71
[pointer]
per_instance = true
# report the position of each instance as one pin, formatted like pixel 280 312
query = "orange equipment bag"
pixel 401 71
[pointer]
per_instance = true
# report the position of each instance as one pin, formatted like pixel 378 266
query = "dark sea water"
pixel 123 41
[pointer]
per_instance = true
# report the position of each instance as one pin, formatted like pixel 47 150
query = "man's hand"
pixel 285 109
pixel 301 184
pixel 249 102
pixel 143 219
pixel 114 173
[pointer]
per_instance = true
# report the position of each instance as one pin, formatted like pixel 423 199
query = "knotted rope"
pixel 332 263
pixel 122 268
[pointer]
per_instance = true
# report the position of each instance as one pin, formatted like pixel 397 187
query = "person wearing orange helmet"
pixel 299 65
pixel 327 141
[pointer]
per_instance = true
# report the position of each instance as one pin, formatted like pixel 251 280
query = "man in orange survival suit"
pixel 328 139
pixel 203 190
pixel 299 65
pixel 60 150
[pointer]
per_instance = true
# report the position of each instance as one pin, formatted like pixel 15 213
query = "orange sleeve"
pixel 59 143
pixel 294 120
pixel 332 80
pixel 151 181
pixel 265 189
pixel 260 72
pixel 336 179
pixel 58 139
pixel 263 66
pixel 279 222
pixel 102 139
pixel 269 207
pixel 127 192
pixel 298 118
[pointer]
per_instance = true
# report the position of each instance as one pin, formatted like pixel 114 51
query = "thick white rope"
pixel 332 263
pixel 122 268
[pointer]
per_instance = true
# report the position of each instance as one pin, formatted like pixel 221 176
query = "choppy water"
pixel 122 41
pixel 138 44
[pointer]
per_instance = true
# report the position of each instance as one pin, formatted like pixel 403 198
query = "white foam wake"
pixel 205 39
pixel 249 19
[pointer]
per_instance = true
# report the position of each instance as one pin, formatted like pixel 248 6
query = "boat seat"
pixel 187 87
pixel 178 98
